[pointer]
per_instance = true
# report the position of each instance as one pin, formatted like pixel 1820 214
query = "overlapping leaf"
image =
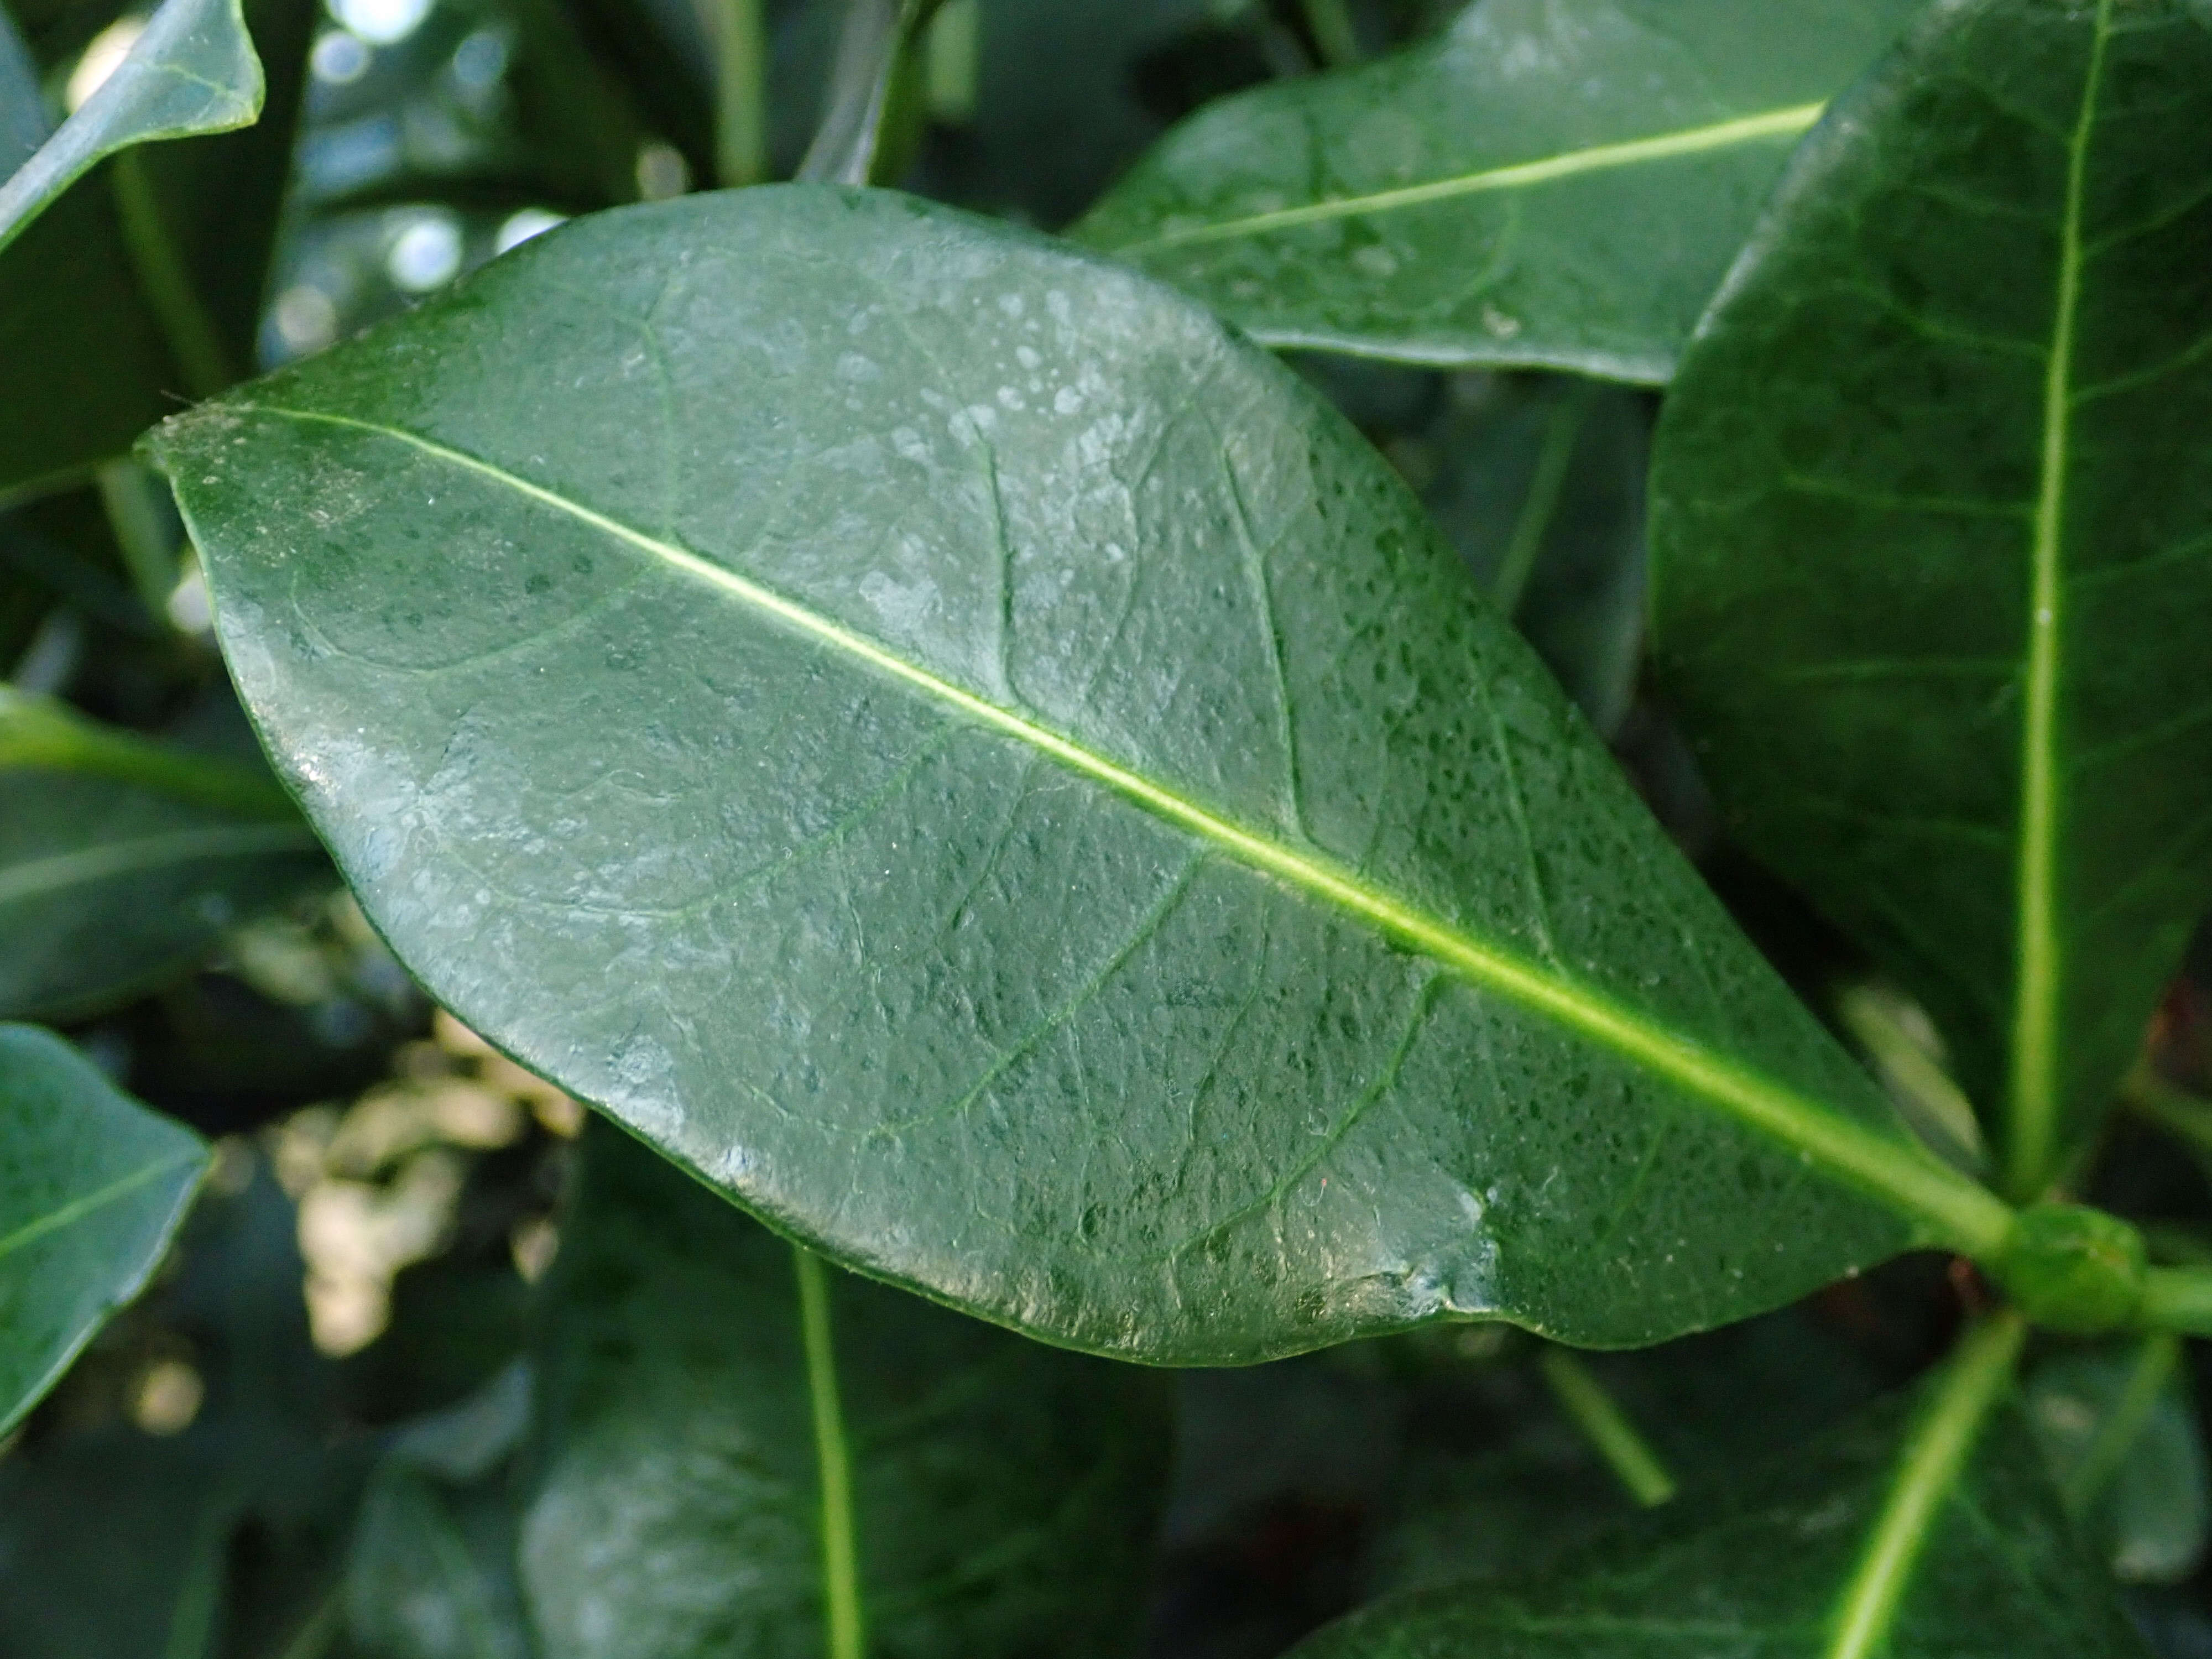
pixel 433 1571
pixel 994 1497
pixel 91 1186
pixel 975 760
pixel 122 861
pixel 1978 1559
pixel 192 70
pixel 1556 182
pixel 1930 505
pixel 153 266
pixel 2119 1429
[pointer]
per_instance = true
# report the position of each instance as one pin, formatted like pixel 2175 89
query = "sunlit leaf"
pixel 152 268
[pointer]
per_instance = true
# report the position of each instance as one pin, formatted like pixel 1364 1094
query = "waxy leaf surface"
pixel 1556 182
pixel 191 70
pixel 1931 497
pixel 976 761
pixel 92 1185
pixel 994 1497
pixel 1786 1566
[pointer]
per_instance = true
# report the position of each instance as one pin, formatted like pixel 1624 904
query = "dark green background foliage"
pixel 1005 1492
pixel 1754 1571
pixel 1054 700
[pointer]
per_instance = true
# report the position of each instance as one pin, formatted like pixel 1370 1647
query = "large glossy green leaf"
pixel 748 1452
pixel 192 70
pixel 1926 1536
pixel 1930 501
pixel 980 763
pixel 122 861
pixel 153 267
pixel 1556 182
pixel 92 1184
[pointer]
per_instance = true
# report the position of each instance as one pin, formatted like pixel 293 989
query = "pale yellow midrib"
pixel 1965 1216
pixel 1928 1470
pixel 1519 175
pixel 2033 1090
pixel 85 1203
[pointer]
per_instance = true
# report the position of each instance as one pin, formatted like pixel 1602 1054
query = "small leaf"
pixel 1554 182
pixel 223 1537
pixel 997 1498
pixel 1979 1558
pixel 152 268
pixel 92 1185
pixel 974 759
pixel 1930 499
pixel 122 861
pixel 192 70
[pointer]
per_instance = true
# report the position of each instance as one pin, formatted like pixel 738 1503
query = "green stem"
pixel 1935 1455
pixel 1932 1104
pixel 2177 1299
pixel 955 61
pixel 39 733
pixel 1607 1427
pixel 199 1599
pixel 321 1628
pixel 841 1573
pixel 1547 484
pixel 135 501
pixel 740 41
pixel 1330 21
pixel 2154 1368
pixel 2173 1110
pixel 192 336
pixel 872 52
